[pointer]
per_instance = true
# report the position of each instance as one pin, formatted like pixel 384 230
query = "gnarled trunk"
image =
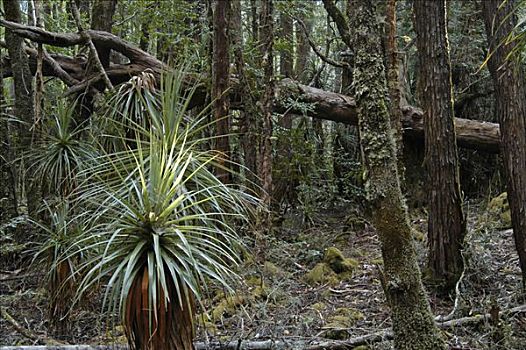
pixel 413 324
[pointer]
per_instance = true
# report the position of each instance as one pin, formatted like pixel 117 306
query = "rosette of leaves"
pixel 167 224
pixel 61 253
pixel 61 152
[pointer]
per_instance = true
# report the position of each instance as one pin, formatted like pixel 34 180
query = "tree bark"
pixel 220 84
pixel 24 97
pixel 8 199
pixel 285 55
pixel 446 223
pixel 303 49
pixel 267 101
pixel 327 105
pixel 510 100
pixel 393 85
pixel 102 19
pixel 249 141
pixel 413 324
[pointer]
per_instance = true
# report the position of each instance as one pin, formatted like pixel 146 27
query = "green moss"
pixel 499 203
pixel 418 235
pixel 258 288
pixel 340 321
pixel 318 306
pixel 321 274
pixel 499 209
pixel 271 270
pixel 337 261
pixel 227 306
pixel 377 261
pixel 505 219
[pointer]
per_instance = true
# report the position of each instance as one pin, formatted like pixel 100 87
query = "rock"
pixel 337 262
pixel 321 274
pixel 340 321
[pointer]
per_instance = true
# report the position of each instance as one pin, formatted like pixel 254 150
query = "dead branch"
pixel 104 39
pixel 92 49
pixel 304 344
pixel 312 44
pixel 26 332
pixel 292 97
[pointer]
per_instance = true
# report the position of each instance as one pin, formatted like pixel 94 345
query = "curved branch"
pixel 316 50
pixel 104 39
pixel 340 20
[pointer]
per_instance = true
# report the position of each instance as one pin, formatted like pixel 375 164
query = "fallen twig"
pixel 26 332
pixel 303 344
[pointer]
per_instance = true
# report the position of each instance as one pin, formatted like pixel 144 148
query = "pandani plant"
pixel 62 230
pixel 56 160
pixel 166 223
pixel 61 152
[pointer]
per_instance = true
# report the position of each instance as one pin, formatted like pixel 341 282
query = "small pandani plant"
pixel 59 251
pixel 165 220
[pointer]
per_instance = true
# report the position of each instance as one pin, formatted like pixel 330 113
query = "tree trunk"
pixel 249 140
pixel 24 97
pixel 413 324
pixel 446 223
pixel 220 82
pixel 510 95
pixel 302 49
pixel 283 186
pixel 102 19
pixel 267 101
pixel 285 55
pixel 473 134
pixel 8 200
pixel 393 85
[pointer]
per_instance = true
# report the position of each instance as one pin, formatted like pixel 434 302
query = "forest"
pixel 263 174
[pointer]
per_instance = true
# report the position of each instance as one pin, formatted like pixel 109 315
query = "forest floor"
pixel 283 300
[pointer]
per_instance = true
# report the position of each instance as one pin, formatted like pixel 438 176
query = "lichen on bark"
pixel 413 324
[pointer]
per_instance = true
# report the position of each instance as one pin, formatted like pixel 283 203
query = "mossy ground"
pixel 276 301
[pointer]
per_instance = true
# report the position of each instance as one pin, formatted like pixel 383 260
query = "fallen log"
pixel 295 98
pixel 291 96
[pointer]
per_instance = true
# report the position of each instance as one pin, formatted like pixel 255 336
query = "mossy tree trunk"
pixel 24 98
pixel 8 200
pixel 413 324
pixel 510 96
pixel 247 127
pixel 446 223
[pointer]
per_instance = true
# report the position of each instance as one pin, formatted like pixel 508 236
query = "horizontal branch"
pixel 101 38
pixel 294 97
